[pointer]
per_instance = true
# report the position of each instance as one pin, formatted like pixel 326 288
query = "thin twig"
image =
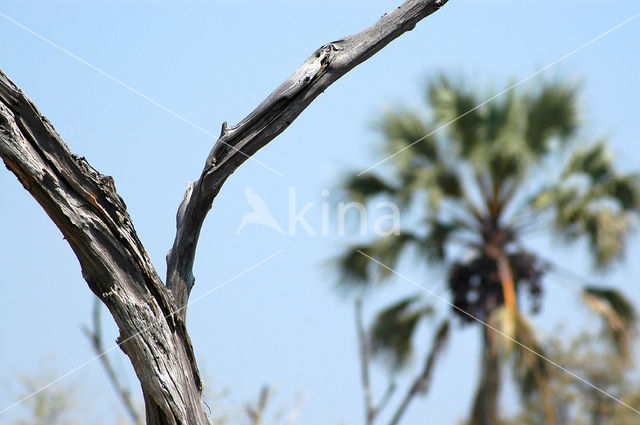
pixel 421 382
pixel 256 413
pixel 391 388
pixel 95 337
pixel 369 409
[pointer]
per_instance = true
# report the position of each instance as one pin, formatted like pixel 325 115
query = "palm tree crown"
pixel 481 179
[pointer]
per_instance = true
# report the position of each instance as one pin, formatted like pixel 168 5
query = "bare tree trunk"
pixel 93 218
pixel 485 405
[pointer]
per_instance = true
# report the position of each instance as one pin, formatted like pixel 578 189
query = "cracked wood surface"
pixel 93 218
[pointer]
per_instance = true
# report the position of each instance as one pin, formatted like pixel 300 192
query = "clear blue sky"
pixel 280 323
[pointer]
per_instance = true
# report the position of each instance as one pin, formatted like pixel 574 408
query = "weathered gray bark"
pixel 93 218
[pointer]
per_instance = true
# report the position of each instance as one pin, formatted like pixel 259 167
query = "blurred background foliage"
pixel 481 178
pixel 476 179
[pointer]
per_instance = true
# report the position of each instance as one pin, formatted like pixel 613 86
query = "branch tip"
pixel 223 130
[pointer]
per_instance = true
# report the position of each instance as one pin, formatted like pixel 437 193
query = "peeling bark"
pixel 93 218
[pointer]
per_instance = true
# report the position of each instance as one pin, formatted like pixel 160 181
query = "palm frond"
pixel 618 314
pixel 607 232
pixel 415 181
pixel 601 207
pixel 625 189
pixel 354 269
pixel 551 112
pixel 504 155
pixel 456 107
pixel 390 248
pixel 505 120
pixel 393 328
pixel 594 161
pixel 407 138
pixel 364 187
pixel 435 243
pixel 439 182
pixel 505 164
pixel 448 182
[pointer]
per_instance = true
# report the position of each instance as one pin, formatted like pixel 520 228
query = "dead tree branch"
pixel 93 218
pixel 237 143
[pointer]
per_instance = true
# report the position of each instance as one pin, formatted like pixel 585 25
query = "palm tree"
pixel 481 180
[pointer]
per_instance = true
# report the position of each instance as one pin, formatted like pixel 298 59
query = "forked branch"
pixel 93 218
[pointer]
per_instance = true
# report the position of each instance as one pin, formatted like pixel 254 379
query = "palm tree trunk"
pixel 485 405
pixel 508 285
